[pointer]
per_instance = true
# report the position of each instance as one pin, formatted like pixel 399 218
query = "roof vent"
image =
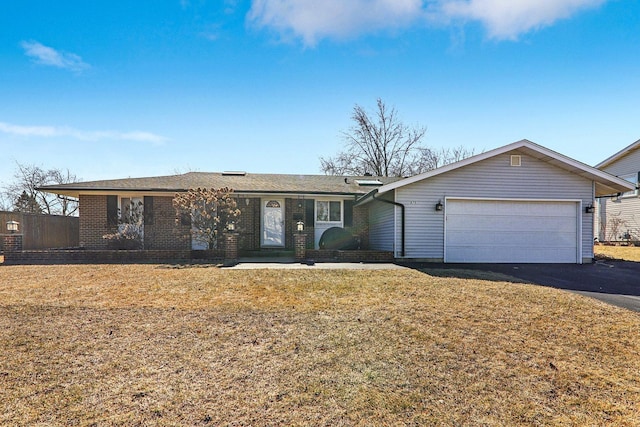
pixel 516 160
pixel 364 182
pixel 233 173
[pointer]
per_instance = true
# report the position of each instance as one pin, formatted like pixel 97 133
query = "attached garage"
pixel 521 203
pixel 512 231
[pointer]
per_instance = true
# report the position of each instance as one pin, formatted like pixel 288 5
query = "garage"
pixel 512 231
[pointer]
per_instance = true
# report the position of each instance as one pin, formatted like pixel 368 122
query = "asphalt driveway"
pixel 615 282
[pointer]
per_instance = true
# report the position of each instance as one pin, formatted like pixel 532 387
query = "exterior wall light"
pixel 12 226
pixel 300 226
pixel 439 205
pixel 231 227
pixel 589 209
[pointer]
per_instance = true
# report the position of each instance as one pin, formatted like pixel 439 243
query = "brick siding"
pixel 249 224
pixel 165 232
pixel 93 222
pixel 360 227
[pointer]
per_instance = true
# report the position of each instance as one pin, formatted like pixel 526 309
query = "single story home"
pixel 271 205
pixel 618 217
pixel 518 203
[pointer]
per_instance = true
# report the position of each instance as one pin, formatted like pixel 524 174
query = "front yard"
pixel 149 344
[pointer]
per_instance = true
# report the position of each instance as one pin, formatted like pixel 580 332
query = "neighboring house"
pixel 271 206
pixel 618 217
pixel 518 203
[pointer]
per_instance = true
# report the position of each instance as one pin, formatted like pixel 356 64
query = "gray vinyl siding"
pixel 626 165
pixel 620 216
pixel 381 223
pixel 626 210
pixel 490 178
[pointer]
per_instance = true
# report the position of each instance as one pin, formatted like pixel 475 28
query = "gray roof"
pixel 239 182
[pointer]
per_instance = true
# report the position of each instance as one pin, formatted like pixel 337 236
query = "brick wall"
pixel 360 226
pixel 99 256
pixel 93 222
pixel 349 256
pixel 249 224
pixel 165 232
pixel 295 207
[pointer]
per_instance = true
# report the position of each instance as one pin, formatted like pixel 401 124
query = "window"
pixel 633 178
pixel 328 211
pixel 125 209
pixel 131 209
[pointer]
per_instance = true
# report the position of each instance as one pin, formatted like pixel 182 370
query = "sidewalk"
pixel 291 264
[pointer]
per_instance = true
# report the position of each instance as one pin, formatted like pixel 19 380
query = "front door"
pixel 272 223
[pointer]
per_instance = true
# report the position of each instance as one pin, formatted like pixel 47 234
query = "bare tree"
pixel 430 159
pixel 27 181
pixel 382 145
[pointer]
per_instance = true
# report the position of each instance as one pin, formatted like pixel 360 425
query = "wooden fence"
pixel 42 231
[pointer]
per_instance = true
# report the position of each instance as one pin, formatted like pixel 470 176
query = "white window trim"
pixel 329 211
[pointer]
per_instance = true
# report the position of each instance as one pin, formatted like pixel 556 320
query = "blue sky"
pixel 139 88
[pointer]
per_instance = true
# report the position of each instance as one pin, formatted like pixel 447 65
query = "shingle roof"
pixel 240 183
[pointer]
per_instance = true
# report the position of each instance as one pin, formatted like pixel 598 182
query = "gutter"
pixel 402 232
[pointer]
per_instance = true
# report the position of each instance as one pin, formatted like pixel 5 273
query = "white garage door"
pixel 511 231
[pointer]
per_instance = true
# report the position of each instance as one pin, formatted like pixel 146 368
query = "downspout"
pixel 402 228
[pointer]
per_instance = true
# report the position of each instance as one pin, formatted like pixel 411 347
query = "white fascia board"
pixel 574 166
pixel 626 150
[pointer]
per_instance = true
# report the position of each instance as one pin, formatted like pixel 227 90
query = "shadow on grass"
pixel 464 272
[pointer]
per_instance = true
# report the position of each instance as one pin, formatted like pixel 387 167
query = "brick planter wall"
pixel 96 256
pixel 349 256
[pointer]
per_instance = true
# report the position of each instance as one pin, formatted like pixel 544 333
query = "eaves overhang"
pixel 605 183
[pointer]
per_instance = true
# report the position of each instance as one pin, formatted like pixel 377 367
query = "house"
pixel 518 203
pixel 270 204
pixel 618 217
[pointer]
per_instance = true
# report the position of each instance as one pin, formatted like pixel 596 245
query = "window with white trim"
pixel 328 211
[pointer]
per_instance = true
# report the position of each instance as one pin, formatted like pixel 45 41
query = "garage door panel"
pixel 510 239
pixel 524 223
pixel 511 231
pixel 516 255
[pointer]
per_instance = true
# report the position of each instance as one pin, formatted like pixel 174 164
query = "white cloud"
pixel 313 20
pixel 507 19
pixel 46 55
pixel 69 132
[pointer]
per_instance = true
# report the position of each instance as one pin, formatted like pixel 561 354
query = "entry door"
pixel 272 223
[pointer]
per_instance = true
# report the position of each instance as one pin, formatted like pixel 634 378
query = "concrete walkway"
pixel 291 264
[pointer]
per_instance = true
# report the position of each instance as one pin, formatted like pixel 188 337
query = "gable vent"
pixel 516 160
pixel 233 173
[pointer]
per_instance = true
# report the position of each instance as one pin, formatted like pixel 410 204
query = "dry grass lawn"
pixel 151 345
pixel 626 253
